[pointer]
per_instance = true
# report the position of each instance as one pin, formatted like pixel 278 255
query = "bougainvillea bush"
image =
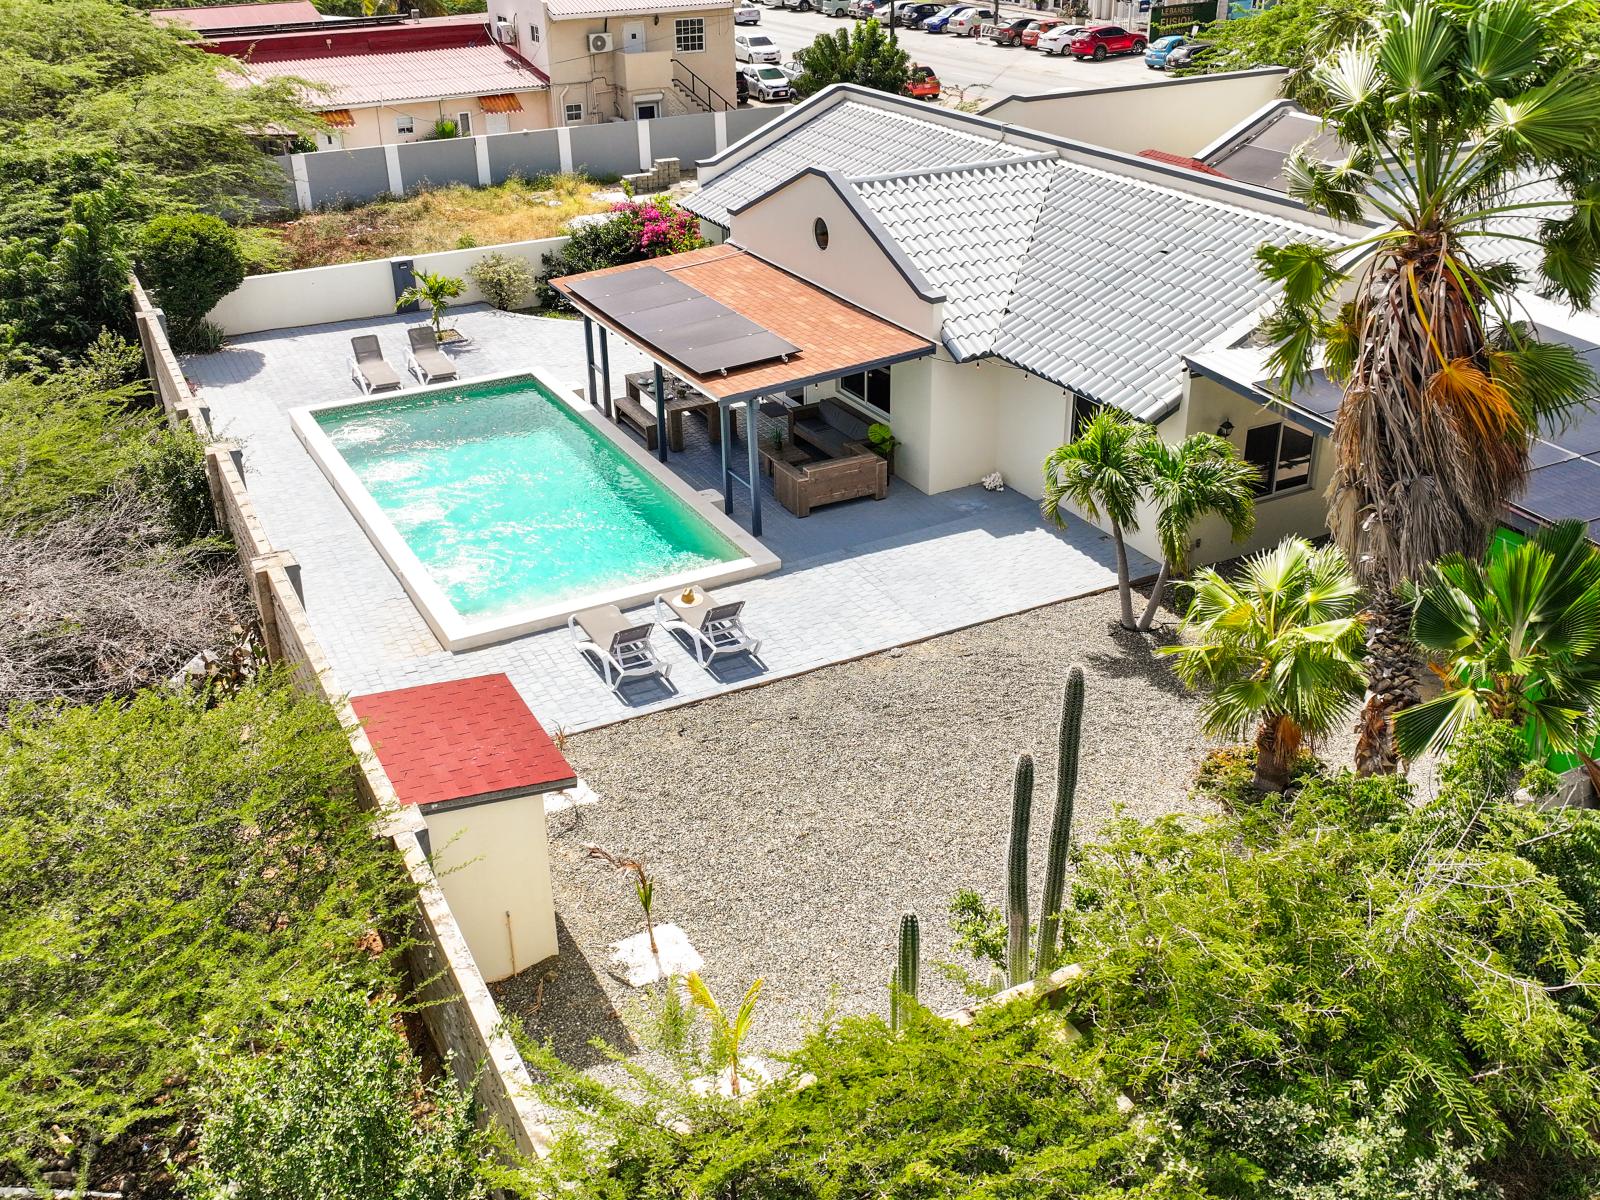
pixel 635 231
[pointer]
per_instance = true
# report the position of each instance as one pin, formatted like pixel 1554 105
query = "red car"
pixel 923 84
pixel 1007 32
pixel 1030 35
pixel 1097 41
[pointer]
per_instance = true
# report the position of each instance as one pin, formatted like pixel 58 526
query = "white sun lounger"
pixel 424 358
pixel 620 647
pixel 712 627
pixel 367 367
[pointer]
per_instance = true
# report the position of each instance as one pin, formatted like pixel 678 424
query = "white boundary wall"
pixel 352 291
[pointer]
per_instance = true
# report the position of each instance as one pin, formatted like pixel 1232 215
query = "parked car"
pixel 834 8
pixel 755 48
pixel 1059 40
pixel 913 15
pixel 861 9
pixel 741 87
pixel 792 69
pixel 937 22
pixel 1188 54
pixel 1155 55
pixel 923 84
pixel 766 82
pixel 1007 31
pixel 1099 41
pixel 969 22
pixel 1037 29
pixel 747 13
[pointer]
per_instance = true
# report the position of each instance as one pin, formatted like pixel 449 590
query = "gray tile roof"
pixel 852 137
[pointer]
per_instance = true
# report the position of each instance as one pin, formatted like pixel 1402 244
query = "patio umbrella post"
pixel 661 415
pixel 725 419
pixel 605 372
pixel 755 467
pixel 588 358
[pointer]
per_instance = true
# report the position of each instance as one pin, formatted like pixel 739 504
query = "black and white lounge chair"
pixel 367 367
pixel 619 646
pixel 711 626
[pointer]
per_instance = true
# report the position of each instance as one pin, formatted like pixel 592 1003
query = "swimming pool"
pixel 503 506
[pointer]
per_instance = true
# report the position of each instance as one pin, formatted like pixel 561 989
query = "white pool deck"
pixel 856 578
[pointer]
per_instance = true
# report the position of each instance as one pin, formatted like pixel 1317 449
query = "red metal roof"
pixel 464 741
pixel 230 16
pixel 1181 160
pixel 417 60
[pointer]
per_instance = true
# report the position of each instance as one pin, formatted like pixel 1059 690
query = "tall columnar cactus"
pixel 1055 871
pixel 907 970
pixel 1017 873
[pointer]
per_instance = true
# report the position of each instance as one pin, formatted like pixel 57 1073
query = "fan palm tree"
pixel 1460 123
pixel 1200 475
pixel 1279 651
pixel 1519 639
pixel 1104 472
pixel 434 289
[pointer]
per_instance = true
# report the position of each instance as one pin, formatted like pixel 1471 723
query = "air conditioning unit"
pixel 599 43
pixel 505 31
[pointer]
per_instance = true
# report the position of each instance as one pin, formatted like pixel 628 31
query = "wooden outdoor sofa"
pixel 800 487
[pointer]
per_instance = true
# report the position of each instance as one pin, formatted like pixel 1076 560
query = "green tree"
pixel 1461 124
pixel 1297 34
pixel 862 54
pixel 189 261
pixel 1200 476
pixel 1519 640
pixel 1279 651
pixel 434 289
pixel 1103 471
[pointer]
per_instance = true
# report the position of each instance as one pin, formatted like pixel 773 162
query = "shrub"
pixel 173 877
pixel 505 281
pixel 189 262
pixel 335 1108
pixel 444 127
pixel 636 230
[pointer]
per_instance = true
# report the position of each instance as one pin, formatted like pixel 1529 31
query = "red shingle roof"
pixel 463 741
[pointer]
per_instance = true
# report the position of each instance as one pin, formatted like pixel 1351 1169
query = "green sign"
pixel 1180 18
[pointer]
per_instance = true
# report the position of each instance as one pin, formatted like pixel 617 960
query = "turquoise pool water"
pixel 510 500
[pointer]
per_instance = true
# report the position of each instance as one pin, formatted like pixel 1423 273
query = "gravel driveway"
pixel 789 826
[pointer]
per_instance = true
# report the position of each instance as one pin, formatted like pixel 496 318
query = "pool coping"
pixel 458 632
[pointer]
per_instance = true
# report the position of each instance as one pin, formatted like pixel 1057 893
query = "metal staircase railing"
pixel 698 89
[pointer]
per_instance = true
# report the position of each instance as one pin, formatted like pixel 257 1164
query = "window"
pixel 1282 453
pixel 1083 411
pixel 690 34
pixel 464 124
pixel 871 387
pixel 819 230
pixel 573 114
pixel 405 125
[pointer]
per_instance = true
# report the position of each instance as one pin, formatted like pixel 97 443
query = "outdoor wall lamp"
pixel 1225 429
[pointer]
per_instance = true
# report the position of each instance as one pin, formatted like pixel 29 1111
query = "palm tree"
pixel 1460 124
pixel 1279 651
pixel 436 290
pixel 1200 475
pixel 1102 471
pixel 1519 640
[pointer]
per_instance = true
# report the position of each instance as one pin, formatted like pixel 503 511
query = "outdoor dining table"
pixel 680 400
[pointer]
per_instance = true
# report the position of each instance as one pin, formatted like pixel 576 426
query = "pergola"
pixel 787 332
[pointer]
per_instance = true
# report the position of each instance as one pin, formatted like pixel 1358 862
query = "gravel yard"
pixel 789 826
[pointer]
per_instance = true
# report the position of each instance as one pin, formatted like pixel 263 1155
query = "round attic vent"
pixel 819 230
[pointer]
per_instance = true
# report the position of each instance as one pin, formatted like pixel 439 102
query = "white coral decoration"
pixel 993 482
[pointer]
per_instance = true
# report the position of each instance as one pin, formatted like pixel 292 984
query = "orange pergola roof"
pixel 507 103
pixel 834 336
pixel 339 118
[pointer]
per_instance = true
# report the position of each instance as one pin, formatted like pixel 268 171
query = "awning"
pixel 339 118
pixel 506 103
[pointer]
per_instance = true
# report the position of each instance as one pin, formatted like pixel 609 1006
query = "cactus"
pixel 1017 873
pixel 1055 872
pixel 907 969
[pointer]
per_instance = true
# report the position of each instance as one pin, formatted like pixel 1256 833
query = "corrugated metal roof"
pixel 386 77
pixel 562 10
pixel 231 16
pixel 852 137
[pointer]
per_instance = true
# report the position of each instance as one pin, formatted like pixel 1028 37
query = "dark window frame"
pixel 1272 463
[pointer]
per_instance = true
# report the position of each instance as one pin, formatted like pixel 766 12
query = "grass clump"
pixel 447 218
pixel 174 881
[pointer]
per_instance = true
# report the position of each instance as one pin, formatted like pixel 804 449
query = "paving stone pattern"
pixel 856 578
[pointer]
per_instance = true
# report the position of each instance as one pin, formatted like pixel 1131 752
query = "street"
pixel 973 72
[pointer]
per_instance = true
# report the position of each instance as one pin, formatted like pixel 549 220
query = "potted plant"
pixel 882 441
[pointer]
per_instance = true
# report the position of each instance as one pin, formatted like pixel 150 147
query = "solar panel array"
pixel 681 321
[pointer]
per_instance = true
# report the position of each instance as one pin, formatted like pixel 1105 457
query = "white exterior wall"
pixel 493 863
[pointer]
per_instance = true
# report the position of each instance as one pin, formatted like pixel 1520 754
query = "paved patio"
pixel 856 578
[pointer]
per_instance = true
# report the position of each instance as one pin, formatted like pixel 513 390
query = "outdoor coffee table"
pixel 789 452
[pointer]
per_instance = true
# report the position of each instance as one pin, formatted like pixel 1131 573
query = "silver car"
pixel 755 48
pixel 766 82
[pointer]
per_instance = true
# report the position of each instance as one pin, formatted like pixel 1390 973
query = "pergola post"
pixel 755 467
pixel 605 372
pixel 588 357
pixel 661 415
pixel 725 419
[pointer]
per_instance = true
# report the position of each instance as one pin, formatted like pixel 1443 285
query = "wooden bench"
pixel 630 412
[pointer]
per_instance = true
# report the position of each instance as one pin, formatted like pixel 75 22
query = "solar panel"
pixel 1564 490
pixel 682 322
